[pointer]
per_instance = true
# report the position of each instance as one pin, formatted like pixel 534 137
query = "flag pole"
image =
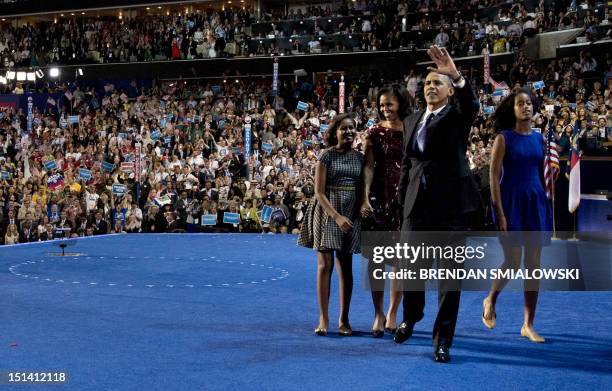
pixel 574 231
pixel 554 233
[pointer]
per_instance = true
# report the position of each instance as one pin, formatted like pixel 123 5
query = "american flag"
pixel 551 163
pixel 498 85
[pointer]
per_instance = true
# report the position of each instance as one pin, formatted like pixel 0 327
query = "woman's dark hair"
pixel 331 139
pixel 504 115
pixel 400 93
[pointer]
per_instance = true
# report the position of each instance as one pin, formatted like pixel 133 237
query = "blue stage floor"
pixel 200 312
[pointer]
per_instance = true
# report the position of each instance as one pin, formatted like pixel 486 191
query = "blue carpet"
pixel 194 312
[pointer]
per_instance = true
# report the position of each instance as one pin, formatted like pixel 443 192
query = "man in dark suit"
pixel 11 218
pixel 436 189
pixel 28 231
pixel 99 225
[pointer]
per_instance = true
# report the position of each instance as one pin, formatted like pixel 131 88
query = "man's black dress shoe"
pixel 404 332
pixel 442 353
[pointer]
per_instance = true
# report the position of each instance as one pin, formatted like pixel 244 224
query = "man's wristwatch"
pixel 458 79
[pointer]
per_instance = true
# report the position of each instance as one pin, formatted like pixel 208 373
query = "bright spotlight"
pixel 2 80
pixel 31 76
pixel 10 75
pixel 21 76
pixel 54 72
pixel 80 71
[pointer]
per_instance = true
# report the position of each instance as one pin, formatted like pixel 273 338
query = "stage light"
pixel 80 70
pixel 54 72
pixel 31 76
pixel 21 76
pixel 2 80
pixel 10 75
pixel 40 74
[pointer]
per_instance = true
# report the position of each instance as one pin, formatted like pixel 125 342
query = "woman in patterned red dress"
pixel 383 154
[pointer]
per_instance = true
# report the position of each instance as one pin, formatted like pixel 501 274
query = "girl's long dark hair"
pixel 504 114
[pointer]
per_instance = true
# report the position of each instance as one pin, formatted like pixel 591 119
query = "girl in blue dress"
pixel 519 200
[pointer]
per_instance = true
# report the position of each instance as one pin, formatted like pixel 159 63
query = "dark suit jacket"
pixel 30 237
pixel 99 229
pixel 451 188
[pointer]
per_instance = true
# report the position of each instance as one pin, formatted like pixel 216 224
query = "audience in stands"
pixel 363 25
pixel 60 179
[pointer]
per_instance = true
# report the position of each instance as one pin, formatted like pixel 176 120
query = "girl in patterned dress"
pixel 332 223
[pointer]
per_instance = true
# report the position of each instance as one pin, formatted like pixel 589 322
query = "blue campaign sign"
pixel 155 134
pixel 231 218
pixel 538 85
pixel 307 143
pixel 216 89
pixel 590 105
pixel 572 106
pixel 85 173
pixel 302 106
pixel 267 147
pixel 50 165
pixel 538 130
pixel 122 136
pixel 209 219
pixel 236 150
pixel 489 110
pixel 168 140
pixel 266 214
pixel 73 119
pixel 323 127
pixel 106 166
pixel 63 123
pixel 119 189
pixel 498 92
pixel 5 175
pixel 370 123
pixel 162 122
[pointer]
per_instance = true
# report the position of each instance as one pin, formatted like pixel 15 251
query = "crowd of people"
pixel 372 25
pixel 193 148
